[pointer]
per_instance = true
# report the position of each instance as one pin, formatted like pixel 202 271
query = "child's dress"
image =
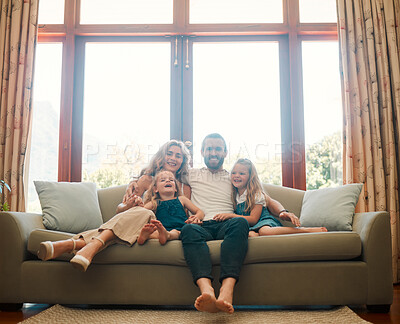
pixel 171 214
pixel 266 219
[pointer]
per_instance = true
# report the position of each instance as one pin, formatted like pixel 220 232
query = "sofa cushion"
pixel 332 208
pixel 69 206
pixel 277 248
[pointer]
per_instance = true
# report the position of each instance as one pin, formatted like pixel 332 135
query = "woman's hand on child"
pixel 222 217
pixel 287 216
pixel 131 190
pixel 193 220
pixel 134 201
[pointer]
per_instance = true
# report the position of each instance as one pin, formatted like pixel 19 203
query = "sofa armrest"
pixel 15 228
pixel 375 233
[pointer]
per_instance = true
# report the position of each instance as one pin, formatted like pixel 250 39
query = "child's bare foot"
pixel 145 233
pixel 224 306
pixel 206 302
pixel 163 234
pixel 253 234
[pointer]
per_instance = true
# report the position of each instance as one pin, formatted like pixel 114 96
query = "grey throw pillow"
pixel 332 208
pixel 71 207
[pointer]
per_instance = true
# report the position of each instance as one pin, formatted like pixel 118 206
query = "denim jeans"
pixel 234 233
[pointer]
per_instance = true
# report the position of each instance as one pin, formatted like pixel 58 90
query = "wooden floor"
pixel 392 317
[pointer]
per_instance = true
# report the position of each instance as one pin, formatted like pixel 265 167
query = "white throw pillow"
pixel 332 208
pixel 71 207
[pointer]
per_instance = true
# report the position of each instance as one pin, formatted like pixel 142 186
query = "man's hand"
pixel 193 220
pixel 222 217
pixel 287 216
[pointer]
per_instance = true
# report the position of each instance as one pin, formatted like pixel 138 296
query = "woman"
pixel 130 217
pixel 172 156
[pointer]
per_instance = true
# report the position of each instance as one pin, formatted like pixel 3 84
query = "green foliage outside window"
pixel 4 206
pixel 324 162
pixel 107 176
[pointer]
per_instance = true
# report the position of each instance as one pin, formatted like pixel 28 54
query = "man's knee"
pixel 240 222
pixel 238 226
pixel 189 231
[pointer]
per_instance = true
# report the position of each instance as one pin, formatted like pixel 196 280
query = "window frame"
pixel 290 34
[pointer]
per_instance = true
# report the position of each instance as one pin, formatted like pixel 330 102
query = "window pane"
pixel 317 11
pixel 126 12
pixel 51 12
pixel 236 93
pixel 322 114
pixel 235 11
pixel 126 109
pixel 43 163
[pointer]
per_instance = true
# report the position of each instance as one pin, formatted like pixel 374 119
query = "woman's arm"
pixel 252 219
pixel 137 187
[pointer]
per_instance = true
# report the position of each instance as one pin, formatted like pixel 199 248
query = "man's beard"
pixel 214 166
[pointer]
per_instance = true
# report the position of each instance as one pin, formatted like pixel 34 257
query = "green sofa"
pixel 334 268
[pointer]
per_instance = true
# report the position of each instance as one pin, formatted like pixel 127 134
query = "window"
pixel 46 118
pixel 124 122
pixel 235 11
pixel 136 73
pixel 51 12
pixel 126 12
pixel 240 101
pixel 317 11
pixel 322 114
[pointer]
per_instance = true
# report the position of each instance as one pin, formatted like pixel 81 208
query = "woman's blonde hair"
pixel 157 161
pixel 153 196
pixel 254 187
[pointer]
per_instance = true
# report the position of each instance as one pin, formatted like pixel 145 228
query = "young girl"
pixel 165 200
pixel 253 204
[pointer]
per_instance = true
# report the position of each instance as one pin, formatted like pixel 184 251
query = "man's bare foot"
pixel 224 306
pixel 206 303
pixel 163 234
pixel 145 233
pixel 225 298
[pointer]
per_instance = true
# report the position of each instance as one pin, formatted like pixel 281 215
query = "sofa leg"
pixel 10 307
pixel 385 308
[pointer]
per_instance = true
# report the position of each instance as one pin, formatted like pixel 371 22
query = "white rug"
pixel 62 314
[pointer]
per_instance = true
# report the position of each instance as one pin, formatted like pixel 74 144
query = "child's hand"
pixel 193 220
pixel 287 216
pixel 222 217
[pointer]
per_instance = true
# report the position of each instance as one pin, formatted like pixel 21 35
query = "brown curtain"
pixel 369 38
pixel 18 32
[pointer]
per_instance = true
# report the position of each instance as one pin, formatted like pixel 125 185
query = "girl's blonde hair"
pixel 153 196
pixel 157 161
pixel 254 187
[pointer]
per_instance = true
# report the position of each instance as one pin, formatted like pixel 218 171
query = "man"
pixel 211 192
